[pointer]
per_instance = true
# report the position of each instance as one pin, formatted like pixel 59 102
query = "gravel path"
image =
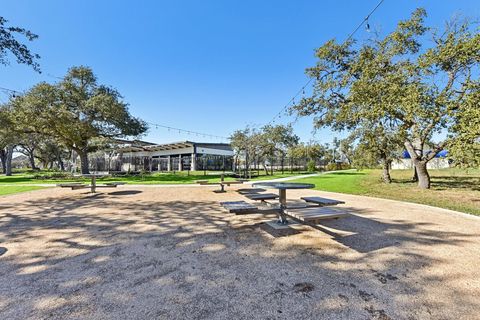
pixel 172 253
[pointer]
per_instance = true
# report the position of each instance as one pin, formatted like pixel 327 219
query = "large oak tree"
pixel 420 88
pixel 76 112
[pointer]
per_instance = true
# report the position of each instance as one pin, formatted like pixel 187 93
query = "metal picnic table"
pixel 282 194
pixel 94 176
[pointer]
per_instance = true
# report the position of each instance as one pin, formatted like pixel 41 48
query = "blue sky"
pixel 207 66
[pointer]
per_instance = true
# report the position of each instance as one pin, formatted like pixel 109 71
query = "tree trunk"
pixel 415 174
pixel 31 158
pixel 61 164
pixel 265 168
pixel 8 160
pixel 386 172
pixel 3 159
pixel 422 173
pixel 84 162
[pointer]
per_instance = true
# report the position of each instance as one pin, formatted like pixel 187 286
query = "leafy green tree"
pixel 275 142
pixel 309 152
pixel 28 145
pixel 418 90
pixel 465 147
pixel 10 44
pixel 76 112
pixel 347 148
pixel 245 144
pixel 8 138
pixel 50 152
pixel 376 145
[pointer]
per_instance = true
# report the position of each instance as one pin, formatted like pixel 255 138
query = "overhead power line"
pixel 302 89
pixel 10 91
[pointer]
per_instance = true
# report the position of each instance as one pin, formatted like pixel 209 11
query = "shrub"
pixel 53 176
pixel 311 166
pixel 338 166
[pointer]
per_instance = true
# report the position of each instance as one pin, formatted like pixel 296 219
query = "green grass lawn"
pixel 155 178
pixel 4 190
pixel 454 189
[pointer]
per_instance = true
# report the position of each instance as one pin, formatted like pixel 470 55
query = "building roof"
pixel 172 146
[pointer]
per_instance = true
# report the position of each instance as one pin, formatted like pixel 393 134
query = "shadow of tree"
pixel 447 182
pixel 456 182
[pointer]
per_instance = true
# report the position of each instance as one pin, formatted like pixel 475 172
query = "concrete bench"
pixel 70 184
pixel 79 186
pixel 261 196
pixel 322 201
pixel 222 184
pixel 115 183
pixel 291 204
pixel 245 191
pixel 202 181
pixel 239 207
pixel 228 183
pixel 313 215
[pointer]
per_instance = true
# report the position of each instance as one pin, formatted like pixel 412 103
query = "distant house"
pixel 440 161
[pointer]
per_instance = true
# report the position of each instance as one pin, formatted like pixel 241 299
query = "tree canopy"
pixel 414 90
pixel 77 112
pixel 9 43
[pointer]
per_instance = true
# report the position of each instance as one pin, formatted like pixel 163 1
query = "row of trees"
pixel 272 145
pixel 402 91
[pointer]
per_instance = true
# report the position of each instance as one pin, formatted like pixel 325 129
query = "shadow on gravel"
pixel 89 256
pixel 124 193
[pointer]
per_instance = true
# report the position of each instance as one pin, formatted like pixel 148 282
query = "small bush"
pixel 311 166
pixel 53 176
pixel 338 166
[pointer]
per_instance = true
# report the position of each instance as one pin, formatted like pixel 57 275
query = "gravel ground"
pixel 173 253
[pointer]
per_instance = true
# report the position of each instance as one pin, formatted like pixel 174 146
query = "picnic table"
pixel 282 188
pixel 93 183
pixel 222 182
pixel 93 177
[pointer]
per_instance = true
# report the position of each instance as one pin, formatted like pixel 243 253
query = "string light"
pixel 189 132
pixel 319 77
pixel 278 115
pixel 12 92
